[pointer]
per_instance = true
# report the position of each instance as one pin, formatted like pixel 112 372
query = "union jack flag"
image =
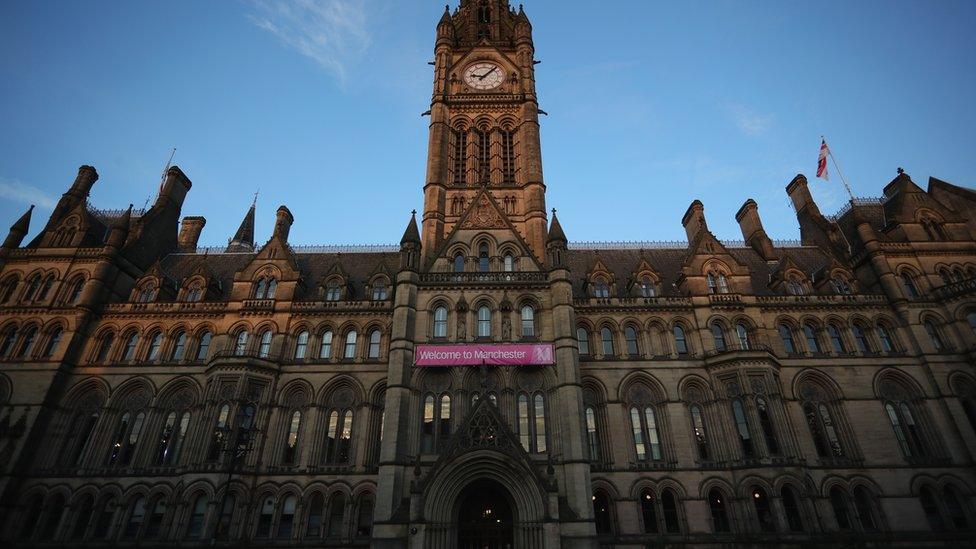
pixel 822 161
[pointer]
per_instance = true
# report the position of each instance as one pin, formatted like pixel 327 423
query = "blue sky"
pixel 317 104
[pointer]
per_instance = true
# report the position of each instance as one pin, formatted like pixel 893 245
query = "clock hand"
pixel 483 76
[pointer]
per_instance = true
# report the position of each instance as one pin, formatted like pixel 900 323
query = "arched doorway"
pixel 485 518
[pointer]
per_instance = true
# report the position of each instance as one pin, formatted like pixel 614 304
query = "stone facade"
pixel 154 392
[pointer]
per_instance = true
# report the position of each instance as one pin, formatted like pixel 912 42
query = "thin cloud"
pixel 333 33
pixel 750 122
pixel 15 191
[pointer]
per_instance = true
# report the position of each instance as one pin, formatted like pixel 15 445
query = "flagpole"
pixel 830 153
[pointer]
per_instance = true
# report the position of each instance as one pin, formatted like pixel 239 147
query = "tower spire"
pixel 243 240
pixel 19 230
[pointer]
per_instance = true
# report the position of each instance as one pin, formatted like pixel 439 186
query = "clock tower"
pixel 484 127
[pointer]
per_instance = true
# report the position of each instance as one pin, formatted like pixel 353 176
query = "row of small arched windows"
pixel 37 289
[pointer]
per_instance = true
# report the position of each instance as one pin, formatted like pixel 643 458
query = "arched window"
pixel 766 423
pixel 338 436
pixel 203 348
pixel 719 513
pixel 325 348
pixel 226 517
pixel 272 288
pixel 79 438
pixel 792 509
pixel 154 525
pixel 137 516
pixel 508 156
pixel 606 337
pixel 532 422
pixel 718 337
pixel 841 285
pixel 786 336
pixel 46 287
pixel 129 350
pixel 484 153
pixel 864 505
pixel 669 506
pixel 7 289
pixel 440 322
pixel 179 347
pixel 905 428
pixel 795 287
pixel 193 292
pixel 26 342
pixel 85 510
pixel 219 434
pixel 53 340
pixel 934 336
pixel 260 289
pixel 264 346
pixel 31 515
pixel 52 520
pixel 147 293
pixel 742 428
pixel 126 437
pixel 723 284
pixel 647 288
pixel 764 510
pixel 364 519
pixel 528 321
pixel 861 338
pixel 33 283
pixel 374 344
pixel 698 430
pixel 351 344
pixel 240 343
pixel 9 337
pixel 647 440
pixel 602 513
pixel 286 520
pixel 333 291
pixel 583 341
pixel 301 345
pixel 460 156
pixel 601 288
pixel 810 333
pixel 337 514
pixel 836 340
pixel 483 259
pixel 931 508
pixel 171 438
pixel 484 321
pixel 459 263
pixel 821 422
pixel 263 529
pixel 955 512
pixel 648 512
pixel 908 283
pixel 887 343
pixel 104 347
pixel 290 455
pixel 427 431
pixel 742 333
pixel 379 291
pixel 630 338
pixel 509 263
pixel 680 342
pixel 194 530
pixel 316 510
pixel 105 519
pixel 592 436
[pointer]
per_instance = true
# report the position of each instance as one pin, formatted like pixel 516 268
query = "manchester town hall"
pixel 487 383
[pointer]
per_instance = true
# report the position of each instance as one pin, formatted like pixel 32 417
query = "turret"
pixel 243 240
pixel 410 245
pixel 753 232
pixel 190 230
pixel 556 246
pixel 18 230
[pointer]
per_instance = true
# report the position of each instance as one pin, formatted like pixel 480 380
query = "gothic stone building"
pixel 154 392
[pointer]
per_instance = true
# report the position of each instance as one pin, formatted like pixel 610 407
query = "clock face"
pixel 484 76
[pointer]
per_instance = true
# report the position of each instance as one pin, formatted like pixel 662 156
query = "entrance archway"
pixel 485 517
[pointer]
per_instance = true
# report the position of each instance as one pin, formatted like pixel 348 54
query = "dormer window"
pixel 647 288
pixel 333 291
pixel 601 288
pixel 266 288
pixel 717 283
pixel 379 291
pixel 194 292
pixel 795 287
pixel 147 293
pixel 840 285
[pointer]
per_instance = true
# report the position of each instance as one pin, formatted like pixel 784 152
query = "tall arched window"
pixel 179 347
pixel 842 512
pixel 325 347
pixel 766 423
pixel 260 289
pixel 194 528
pixel 508 156
pixel 956 513
pixel 483 259
pixel 719 513
pixel 427 431
pixel 53 340
pixel 786 336
pixel 203 347
pixel 226 516
pixel 813 343
pixel 374 345
pixel 264 347
pixel 718 336
pixel 836 341
pixel 647 439
pixel 240 343
pixel 821 422
pixel 286 520
pixel 864 505
pixel 887 343
pixel 712 283
pixel 791 507
pixel 742 334
pixel 935 336
pixel 764 510
pixel 154 526
pixel 698 430
pixel 85 510
pixel 908 283
pixel 606 337
pixel 137 516
pixel 364 518
pixel 7 289
pixel 630 338
pixel 126 437
pixel 129 350
pixel 669 508
pixel 583 341
pixel 861 338
pixel 509 262
pixel 795 287
pixel 171 438
pixel 440 322
pixel 484 156
pixel 272 288
pixel 26 342
pixel 105 519
pixel 742 428
pixel 484 321
pixel 9 337
pixel 46 287
pixel 263 529
pixel 460 156
pixel 528 321
pixel 905 428
pixel 351 345
pixel 592 436
pixel 338 436
pixel 80 435
pixel 316 510
pixel 31 516
pixel 33 283
pixel 219 434
pixel 602 513
pixel 532 422
pixel 459 263
pixel 337 515
pixel 301 345
pixel 648 512
pixel 290 454
pixel 680 341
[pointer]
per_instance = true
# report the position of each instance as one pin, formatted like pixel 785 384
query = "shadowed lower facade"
pixel 159 393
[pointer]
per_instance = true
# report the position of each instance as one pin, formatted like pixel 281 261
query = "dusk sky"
pixel 317 104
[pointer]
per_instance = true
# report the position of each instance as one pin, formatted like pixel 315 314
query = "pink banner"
pixel 518 354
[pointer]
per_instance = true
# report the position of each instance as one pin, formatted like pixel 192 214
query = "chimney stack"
pixel 87 176
pixel 175 187
pixel 283 223
pixel 800 195
pixel 694 220
pixel 190 231
pixel 752 230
